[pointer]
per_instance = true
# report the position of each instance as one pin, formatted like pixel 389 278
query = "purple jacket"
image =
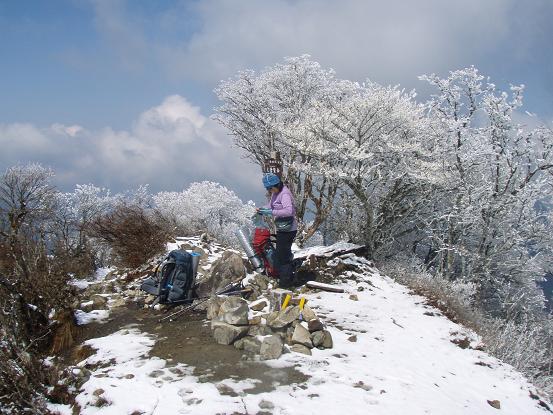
pixel 282 205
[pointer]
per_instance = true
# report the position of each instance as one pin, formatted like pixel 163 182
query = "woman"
pixel 283 210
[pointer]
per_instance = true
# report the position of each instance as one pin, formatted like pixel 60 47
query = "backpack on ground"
pixel 173 278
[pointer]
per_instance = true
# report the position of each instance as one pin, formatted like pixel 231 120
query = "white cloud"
pixel 168 147
pixel 389 41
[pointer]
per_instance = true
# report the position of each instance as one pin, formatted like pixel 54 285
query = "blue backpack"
pixel 173 278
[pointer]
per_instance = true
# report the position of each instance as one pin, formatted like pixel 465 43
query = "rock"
pixel 213 306
pixel 100 391
pixel 118 302
pixel 259 305
pixel 317 338
pixel 301 336
pixel 300 348
pixel 234 310
pixel 284 318
pixel 327 341
pixel 204 237
pixel 225 270
pixel 225 333
pixel 354 297
pixel 308 314
pixel 254 321
pixel 99 301
pixel 251 345
pixel 239 344
pixel 266 404
pixel 271 347
pixel 260 330
pixel 352 339
pixel 495 403
pixel 186 247
pixel 87 306
pixel 277 296
pixel 315 325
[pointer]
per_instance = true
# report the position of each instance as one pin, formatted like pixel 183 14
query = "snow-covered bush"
pixel 526 345
pixel 205 206
pixel 456 298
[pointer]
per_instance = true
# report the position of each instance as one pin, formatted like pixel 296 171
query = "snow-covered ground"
pixel 392 354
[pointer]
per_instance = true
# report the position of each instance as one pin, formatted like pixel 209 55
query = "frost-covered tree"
pixel 26 197
pixel 485 226
pixel 259 108
pixel 372 140
pixel 205 206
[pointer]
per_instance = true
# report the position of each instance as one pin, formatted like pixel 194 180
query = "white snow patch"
pixel 93 316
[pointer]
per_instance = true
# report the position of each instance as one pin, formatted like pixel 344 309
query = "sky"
pixel 120 93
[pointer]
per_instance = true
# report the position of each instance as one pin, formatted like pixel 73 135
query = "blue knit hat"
pixel 270 180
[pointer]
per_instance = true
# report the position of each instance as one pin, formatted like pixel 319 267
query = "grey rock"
pixel 327 341
pixel 317 338
pixel 225 333
pixel 271 348
pixel 213 306
pixel 239 344
pixel 266 404
pixel 234 310
pixel 99 301
pixel 260 330
pixel 259 305
pixel 300 348
pixel 225 270
pixel 284 317
pixel 118 302
pixel 277 296
pixel 308 314
pixel 251 345
pixel 302 336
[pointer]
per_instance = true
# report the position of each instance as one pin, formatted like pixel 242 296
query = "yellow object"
pixel 286 301
pixel 302 303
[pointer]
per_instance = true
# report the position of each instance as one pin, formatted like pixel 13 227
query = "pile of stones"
pixel 261 328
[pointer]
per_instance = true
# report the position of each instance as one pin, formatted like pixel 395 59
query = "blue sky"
pixel 83 83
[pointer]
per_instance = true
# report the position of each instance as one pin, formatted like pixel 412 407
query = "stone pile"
pixel 255 329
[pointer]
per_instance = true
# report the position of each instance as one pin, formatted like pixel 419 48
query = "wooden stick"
pixel 324 287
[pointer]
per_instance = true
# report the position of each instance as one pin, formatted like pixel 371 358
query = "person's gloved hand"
pixel 265 211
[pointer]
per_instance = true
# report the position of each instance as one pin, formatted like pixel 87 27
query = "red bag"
pixel 263 247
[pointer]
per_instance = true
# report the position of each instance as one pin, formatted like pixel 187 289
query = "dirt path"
pixel 188 340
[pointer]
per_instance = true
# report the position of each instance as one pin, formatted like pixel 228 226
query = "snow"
pixel 92 316
pixel 98 276
pixel 326 251
pixel 392 354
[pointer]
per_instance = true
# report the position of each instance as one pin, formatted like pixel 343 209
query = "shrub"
pixel 133 233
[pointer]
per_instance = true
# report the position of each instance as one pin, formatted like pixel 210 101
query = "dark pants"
pixel 284 257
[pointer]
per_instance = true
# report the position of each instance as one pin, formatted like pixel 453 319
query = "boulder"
pixel 271 347
pixel 283 318
pixel 327 340
pixel 315 325
pixel 308 314
pixel 300 348
pixel 317 338
pixel 259 305
pixel 302 336
pixel 260 330
pixel 251 345
pixel 234 310
pixel 99 301
pixel 213 306
pixel 225 333
pixel 227 269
